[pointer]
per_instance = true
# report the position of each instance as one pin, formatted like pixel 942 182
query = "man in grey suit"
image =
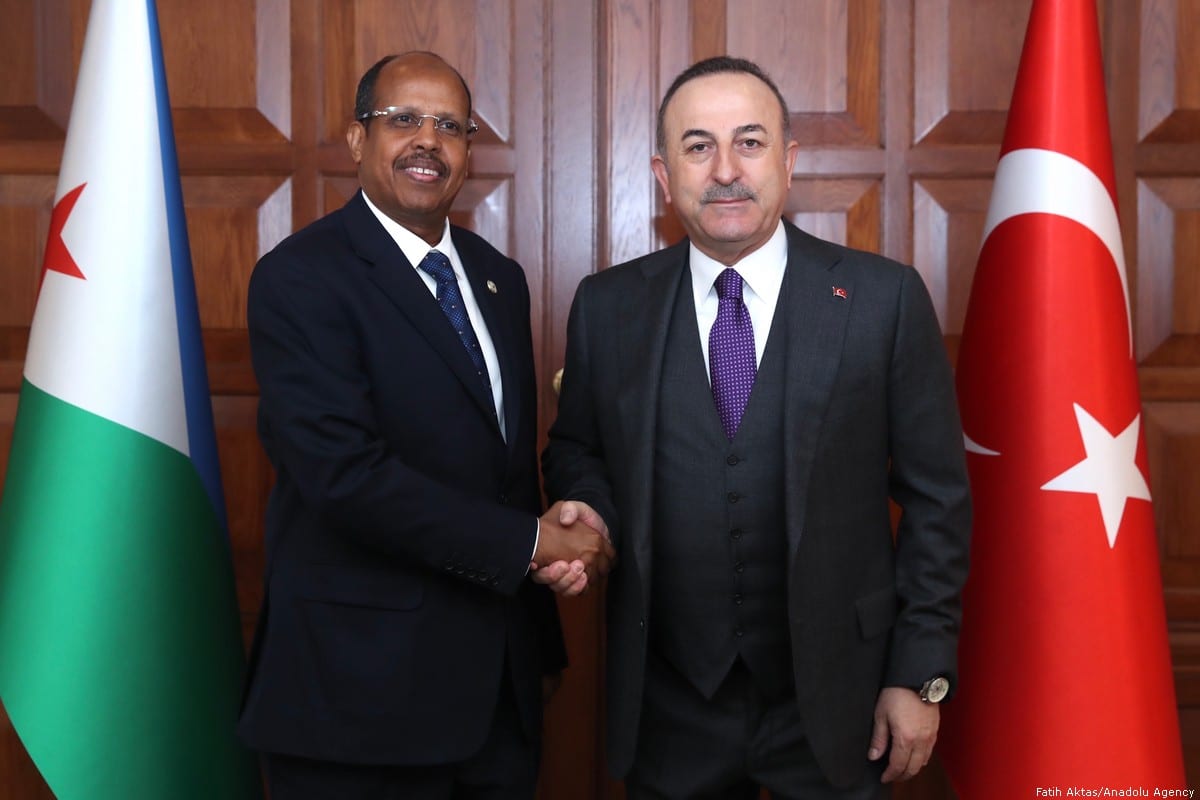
pixel 737 410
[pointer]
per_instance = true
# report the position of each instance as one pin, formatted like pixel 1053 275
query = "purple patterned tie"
pixel 450 299
pixel 731 362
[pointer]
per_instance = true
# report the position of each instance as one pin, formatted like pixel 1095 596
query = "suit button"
pixel 732 461
pixel 642 624
pixel 739 633
pixel 503 499
pixel 737 599
pixel 739 567
pixel 735 534
pixel 734 497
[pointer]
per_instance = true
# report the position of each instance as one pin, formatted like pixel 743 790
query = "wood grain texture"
pixel 965 57
pixel 1168 300
pixel 1169 107
pixel 948 217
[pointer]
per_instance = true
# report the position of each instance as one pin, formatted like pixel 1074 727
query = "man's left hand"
pixel 910 725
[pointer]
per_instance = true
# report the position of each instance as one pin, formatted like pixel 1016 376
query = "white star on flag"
pixel 1110 471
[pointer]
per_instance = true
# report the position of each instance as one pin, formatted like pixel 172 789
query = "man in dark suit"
pixel 738 408
pixel 401 649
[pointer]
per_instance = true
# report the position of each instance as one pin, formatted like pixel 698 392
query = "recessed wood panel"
pixel 227 351
pixel 1189 726
pixel 8 417
pixel 25 205
pixel 948 218
pixel 846 211
pixel 824 55
pixel 231 222
pixel 1185 655
pixel 246 476
pixel 1167 317
pixel 632 96
pixel 473 35
pixel 14 341
pixel 965 57
pixel 20 115
pixel 1169 89
pixel 18 40
pixel 1173 441
pixel 485 206
pixel 336 191
pixel 1173 430
pixel 36 40
pixel 227 64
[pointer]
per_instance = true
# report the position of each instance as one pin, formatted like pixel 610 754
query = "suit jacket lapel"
pixel 397 278
pixel 816 328
pixel 644 321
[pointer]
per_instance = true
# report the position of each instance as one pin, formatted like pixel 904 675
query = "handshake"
pixel 573 548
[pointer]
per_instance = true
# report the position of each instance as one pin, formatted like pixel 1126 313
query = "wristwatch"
pixel 934 690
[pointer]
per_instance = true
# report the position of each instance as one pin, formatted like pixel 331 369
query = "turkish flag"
pixel 1065 673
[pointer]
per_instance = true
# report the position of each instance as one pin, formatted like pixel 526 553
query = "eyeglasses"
pixel 409 122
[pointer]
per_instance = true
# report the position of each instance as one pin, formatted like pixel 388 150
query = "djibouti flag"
pixel 120 655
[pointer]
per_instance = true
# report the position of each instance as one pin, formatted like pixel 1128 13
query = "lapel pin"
pixel 491 287
pixel 840 292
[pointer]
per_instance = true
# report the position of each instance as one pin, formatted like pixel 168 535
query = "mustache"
pixel 424 161
pixel 732 191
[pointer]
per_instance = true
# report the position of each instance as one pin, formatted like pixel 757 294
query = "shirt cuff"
pixel 537 532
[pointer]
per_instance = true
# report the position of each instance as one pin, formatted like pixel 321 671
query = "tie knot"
pixel 729 284
pixel 437 265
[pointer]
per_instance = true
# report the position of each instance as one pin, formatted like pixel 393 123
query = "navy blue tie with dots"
pixel 450 299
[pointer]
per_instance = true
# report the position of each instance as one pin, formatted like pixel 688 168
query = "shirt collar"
pixel 414 247
pixel 762 270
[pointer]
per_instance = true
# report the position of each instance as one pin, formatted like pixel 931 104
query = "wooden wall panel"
pixel 635 216
pixel 37 66
pixel 848 211
pixel 1173 439
pixel 966 59
pixel 825 58
pixel 227 71
pixel 899 108
pixel 232 220
pixel 1169 107
pixel 25 204
pixel 1168 296
pixel 1161 145
pixel 948 217
pixel 246 476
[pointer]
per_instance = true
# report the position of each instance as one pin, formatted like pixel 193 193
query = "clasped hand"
pixel 573 548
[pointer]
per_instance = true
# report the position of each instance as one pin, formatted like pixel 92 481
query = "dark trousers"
pixel 504 769
pixel 727 747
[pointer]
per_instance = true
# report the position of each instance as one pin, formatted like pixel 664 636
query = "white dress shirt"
pixel 762 276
